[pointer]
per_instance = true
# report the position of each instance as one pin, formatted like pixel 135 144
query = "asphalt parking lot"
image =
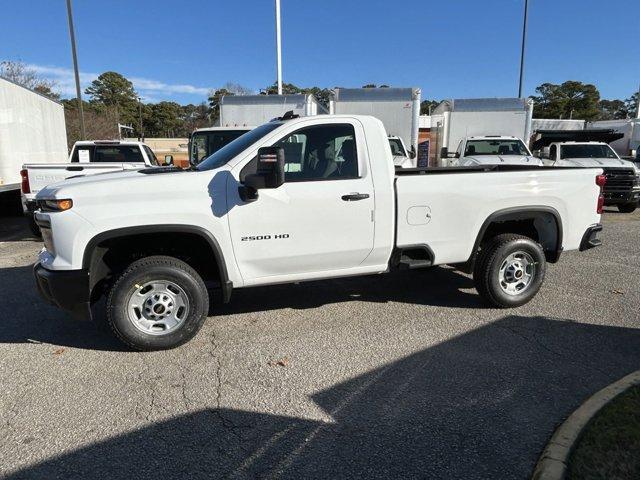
pixel 398 376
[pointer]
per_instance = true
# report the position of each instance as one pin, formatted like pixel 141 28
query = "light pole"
pixel 140 115
pixel 524 41
pixel 75 69
pixel 278 48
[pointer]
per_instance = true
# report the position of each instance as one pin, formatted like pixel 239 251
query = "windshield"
pixel 587 151
pixel 397 149
pixel 204 144
pixel 510 146
pixel 231 150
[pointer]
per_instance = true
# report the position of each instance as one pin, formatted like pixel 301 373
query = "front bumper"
pixel 590 238
pixel 617 198
pixel 65 289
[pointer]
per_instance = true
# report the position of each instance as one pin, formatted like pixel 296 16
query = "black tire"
pixel 627 207
pixel 492 256
pixel 33 226
pixel 157 268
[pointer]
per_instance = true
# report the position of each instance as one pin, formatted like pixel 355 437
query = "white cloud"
pixel 149 90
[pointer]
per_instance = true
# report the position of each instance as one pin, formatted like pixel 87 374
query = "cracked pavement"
pixel 405 375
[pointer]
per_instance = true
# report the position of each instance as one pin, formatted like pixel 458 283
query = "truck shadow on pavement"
pixel 32 320
pixel 480 405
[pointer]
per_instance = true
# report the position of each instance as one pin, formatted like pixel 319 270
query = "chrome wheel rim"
pixel 516 273
pixel 158 307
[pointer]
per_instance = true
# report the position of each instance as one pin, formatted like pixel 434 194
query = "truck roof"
pixel 107 142
pixel 215 129
pixel 492 137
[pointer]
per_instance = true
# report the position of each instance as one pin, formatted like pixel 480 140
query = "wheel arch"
pixel 92 259
pixel 545 220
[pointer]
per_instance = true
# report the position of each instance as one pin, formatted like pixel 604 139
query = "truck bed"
pixel 444 208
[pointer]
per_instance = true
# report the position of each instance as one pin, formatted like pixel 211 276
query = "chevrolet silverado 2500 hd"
pixel 293 200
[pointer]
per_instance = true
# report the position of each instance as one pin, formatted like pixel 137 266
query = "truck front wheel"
pixel 627 207
pixel 157 303
pixel 509 270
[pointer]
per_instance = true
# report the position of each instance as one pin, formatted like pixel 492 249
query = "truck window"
pixel 496 147
pixel 396 148
pixel 321 152
pixel 204 144
pixel 152 156
pixel 587 151
pixel 117 154
pixel 233 149
pixel 86 154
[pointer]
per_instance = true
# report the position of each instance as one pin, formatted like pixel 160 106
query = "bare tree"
pixel 22 74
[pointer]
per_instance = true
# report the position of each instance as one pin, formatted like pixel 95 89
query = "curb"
pixel 552 464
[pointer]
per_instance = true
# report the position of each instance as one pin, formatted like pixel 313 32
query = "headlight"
pixel 55 205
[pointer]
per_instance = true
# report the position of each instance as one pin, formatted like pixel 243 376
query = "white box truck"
pixel 32 130
pixel 253 110
pixel 628 145
pixel 454 120
pixel 397 108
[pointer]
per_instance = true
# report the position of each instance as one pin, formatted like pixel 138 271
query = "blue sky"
pixel 450 48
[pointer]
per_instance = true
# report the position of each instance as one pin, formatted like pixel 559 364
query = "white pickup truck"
pixel 298 200
pixel 86 158
pixel 557 148
pixel 494 150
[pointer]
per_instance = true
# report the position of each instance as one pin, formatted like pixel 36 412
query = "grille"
pixel 619 182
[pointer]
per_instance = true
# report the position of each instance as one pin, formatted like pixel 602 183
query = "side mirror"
pixel 456 155
pixel 168 160
pixel 412 152
pixel 269 173
pixel 444 152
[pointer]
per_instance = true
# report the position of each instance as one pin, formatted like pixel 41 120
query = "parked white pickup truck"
pixel 86 158
pixel 622 188
pixel 494 150
pixel 401 156
pixel 297 200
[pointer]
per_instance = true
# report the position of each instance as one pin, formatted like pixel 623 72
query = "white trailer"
pixel 254 110
pixel 32 130
pixel 628 145
pixel 397 108
pixel 454 120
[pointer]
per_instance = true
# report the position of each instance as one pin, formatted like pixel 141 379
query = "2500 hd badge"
pixel 278 236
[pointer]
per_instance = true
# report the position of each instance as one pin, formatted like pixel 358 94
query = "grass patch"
pixel 609 448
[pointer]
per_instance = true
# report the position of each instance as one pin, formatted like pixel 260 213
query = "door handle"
pixel 354 197
pixel 74 169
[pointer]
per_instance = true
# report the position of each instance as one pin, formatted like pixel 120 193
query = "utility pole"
pixel 140 114
pixel 278 48
pixel 524 41
pixel 638 103
pixel 75 69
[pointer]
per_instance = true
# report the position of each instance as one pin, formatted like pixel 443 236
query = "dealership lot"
pixel 398 375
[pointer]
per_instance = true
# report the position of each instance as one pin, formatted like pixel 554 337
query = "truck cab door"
pixel 319 220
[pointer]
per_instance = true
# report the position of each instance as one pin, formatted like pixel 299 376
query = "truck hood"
pixel 127 182
pixel 595 162
pixel 500 160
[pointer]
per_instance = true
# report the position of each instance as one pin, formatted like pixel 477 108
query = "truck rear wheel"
pixel 509 270
pixel 157 303
pixel 627 207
